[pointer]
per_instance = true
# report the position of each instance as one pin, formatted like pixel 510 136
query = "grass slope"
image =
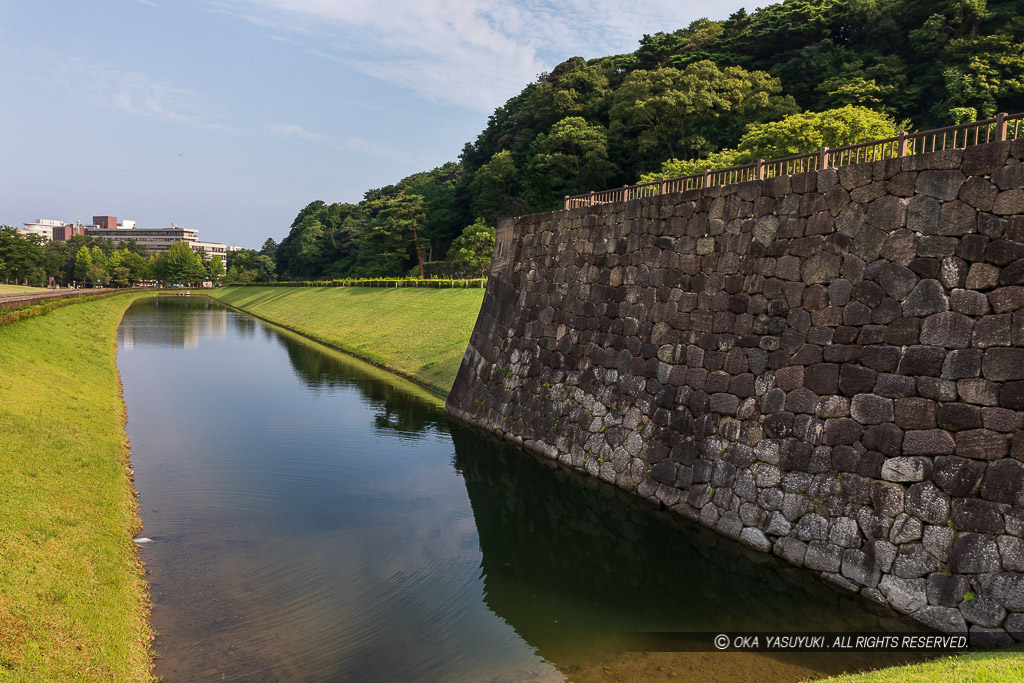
pixel 19 289
pixel 991 667
pixel 73 598
pixel 417 332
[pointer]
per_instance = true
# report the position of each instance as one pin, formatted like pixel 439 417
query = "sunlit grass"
pixel 19 289
pixel 1006 666
pixel 420 333
pixel 73 598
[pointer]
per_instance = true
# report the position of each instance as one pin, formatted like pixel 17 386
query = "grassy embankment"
pixel 73 597
pixel 419 333
pixel 1006 666
pixel 19 289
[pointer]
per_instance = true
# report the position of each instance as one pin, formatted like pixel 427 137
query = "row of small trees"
pixel 89 261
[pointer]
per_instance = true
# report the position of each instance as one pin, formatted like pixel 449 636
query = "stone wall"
pixel 827 366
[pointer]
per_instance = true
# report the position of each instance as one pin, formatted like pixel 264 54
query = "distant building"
pixel 156 240
pixel 67 231
pixel 106 222
pixel 42 226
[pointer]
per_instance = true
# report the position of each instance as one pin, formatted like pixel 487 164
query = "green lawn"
pixel 73 598
pixel 1006 666
pixel 19 289
pixel 419 333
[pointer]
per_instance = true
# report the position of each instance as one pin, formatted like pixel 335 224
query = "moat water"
pixel 309 517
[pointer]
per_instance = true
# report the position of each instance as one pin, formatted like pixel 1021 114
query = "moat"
pixel 309 517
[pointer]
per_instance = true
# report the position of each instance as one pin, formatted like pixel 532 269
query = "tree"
pixel 474 248
pixel 572 158
pixel 83 260
pixel 216 269
pixel 21 254
pixel 494 188
pixel 398 218
pixel 795 134
pixel 180 265
pixel 684 113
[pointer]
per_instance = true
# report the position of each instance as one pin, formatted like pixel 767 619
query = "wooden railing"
pixel 1002 127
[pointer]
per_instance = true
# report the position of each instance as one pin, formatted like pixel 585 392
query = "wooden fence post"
pixel 1000 126
pixel 902 149
pixel 823 160
pixel 661 186
pixel 760 169
pixel 707 178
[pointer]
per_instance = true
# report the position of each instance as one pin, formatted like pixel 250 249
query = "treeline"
pixel 91 262
pixel 782 80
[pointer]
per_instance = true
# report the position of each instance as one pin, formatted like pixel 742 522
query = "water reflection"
pixel 172 322
pixel 396 408
pixel 318 519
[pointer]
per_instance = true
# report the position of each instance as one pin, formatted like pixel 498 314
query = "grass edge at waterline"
pixel 998 666
pixel 417 333
pixel 74 602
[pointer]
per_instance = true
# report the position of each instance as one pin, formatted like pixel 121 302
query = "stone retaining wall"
pixel 827 366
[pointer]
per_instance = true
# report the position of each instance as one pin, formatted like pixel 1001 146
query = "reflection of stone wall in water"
pixel 827 366
pixel 566 559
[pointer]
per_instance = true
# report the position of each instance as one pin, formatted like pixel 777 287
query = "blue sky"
pixel 229 116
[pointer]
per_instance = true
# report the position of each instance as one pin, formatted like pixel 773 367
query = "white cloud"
pixel 132 92
pixel 290 130
pixel 350 144
pixel 473 53
pixel 148 2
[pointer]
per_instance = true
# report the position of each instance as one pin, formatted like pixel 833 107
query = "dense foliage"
pixel 786 78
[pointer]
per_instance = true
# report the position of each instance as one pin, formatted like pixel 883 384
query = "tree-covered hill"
pixel 694 94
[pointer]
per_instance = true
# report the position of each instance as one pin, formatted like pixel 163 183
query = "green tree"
pixel 216 269
pixel 572 158
pixel 474 248
pixel 83 260
pixel 179 264
pixel 22 256
pixel 387 237
pixel 494 188
pixel 684 113
pixel 795 134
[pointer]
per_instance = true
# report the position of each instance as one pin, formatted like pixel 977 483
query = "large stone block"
pixel 928 503
pixel 946 619
pixel 928 442
pixel 948 330
pixel 983 611
pixel 913 562
pixel 942 185
pixel 1007 588
pixel 982 160
pixel 981 444
pixel 869 409
pixel 906 469
pixel 946 589
pixel 1003 364
pixel 980 516
pixel 957 476
pixel 906 595
pixel 1004 482
pixel 974 554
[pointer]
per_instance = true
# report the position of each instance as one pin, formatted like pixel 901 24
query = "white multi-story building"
pixel 44 227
